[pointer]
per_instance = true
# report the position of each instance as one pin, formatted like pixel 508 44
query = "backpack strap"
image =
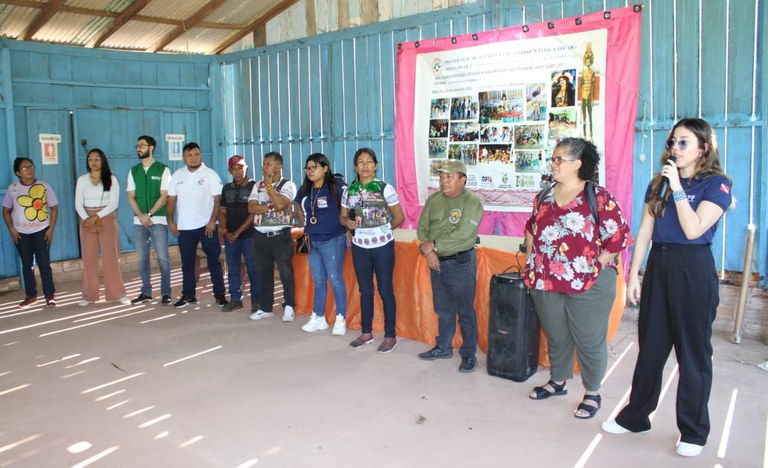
pixel 280 184
pixel 590 191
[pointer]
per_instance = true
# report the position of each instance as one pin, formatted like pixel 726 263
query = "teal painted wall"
pixel 98 99
pixel 335 92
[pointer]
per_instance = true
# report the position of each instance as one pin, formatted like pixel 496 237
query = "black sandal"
pixel 591 410
pixel 542 393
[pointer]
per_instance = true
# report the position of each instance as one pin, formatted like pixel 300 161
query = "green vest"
pixel 148 186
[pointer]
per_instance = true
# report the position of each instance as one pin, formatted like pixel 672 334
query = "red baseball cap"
pixel 236 160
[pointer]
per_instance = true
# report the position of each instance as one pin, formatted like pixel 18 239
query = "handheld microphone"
pixel 664 181
pixel 352 215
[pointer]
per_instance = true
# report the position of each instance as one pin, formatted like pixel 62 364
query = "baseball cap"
pixel 236 160
pixel 452 166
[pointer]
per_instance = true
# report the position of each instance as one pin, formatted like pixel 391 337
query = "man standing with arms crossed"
pixel 147 189
pixel 236 227
pixel 271 203
pixel 447 232
pixel 196 191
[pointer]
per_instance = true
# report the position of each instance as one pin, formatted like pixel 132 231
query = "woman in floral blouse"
pixel 571 273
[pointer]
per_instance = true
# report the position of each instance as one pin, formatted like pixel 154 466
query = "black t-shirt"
pixel 235 199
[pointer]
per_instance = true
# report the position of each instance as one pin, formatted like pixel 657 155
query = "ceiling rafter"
pixel 261 21
pixel 188 24
pixel 50 9
pixel 127 15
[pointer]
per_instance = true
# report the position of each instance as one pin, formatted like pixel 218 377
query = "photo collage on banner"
pixel 501 108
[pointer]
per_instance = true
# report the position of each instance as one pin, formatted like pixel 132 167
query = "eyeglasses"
pixel 26 168
pixel 142 145
pixel 559 160
pixel 311 168
pixel 682 144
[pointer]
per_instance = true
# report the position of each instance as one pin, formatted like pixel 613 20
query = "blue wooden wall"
pixel 334 93
pixel 97 99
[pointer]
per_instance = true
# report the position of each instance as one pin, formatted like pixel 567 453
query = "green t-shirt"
pixel 451 222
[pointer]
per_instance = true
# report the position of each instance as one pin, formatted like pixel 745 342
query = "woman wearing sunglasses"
pixel 571 272
pixel 320 201
pixel 680 291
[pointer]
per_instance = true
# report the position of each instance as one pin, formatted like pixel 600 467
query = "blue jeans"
pixel 242 248
pixel 453 292
pixel 326 262
pixel 188 241
pixel 33 249
pixel 158 235
pixel 379 261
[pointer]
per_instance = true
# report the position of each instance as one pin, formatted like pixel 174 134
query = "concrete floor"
pixel 151 386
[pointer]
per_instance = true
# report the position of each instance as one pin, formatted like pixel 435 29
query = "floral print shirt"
pixel 567 242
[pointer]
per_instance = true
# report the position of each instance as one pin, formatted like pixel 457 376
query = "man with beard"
pixel 196 191
pixel 147 189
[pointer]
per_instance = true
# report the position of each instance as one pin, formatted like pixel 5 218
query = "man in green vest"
pixel 147 193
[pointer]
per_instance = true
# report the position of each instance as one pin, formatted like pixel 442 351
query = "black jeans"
pixel 268 252
pixel 453 293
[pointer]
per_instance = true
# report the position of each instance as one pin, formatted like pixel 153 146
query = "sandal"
pixel 589 409
pixel 542 393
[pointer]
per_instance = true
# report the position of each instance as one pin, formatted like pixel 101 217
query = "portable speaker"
pixel 513 329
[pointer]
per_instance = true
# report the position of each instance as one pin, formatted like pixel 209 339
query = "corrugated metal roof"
pixel 182 26
pixel 15 19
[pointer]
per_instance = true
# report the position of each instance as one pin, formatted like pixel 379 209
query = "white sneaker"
pixel 315 323
pixel 83 303
pixel 288 314
pixel 124 301
pixel 260 314
pixel 684 449
pixel 612 427
pixel 340 327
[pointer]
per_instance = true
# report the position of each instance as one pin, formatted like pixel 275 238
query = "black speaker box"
pixel 513 329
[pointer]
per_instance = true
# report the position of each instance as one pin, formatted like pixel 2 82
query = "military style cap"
pixel 453 166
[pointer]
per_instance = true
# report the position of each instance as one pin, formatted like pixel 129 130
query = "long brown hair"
pixel 708 164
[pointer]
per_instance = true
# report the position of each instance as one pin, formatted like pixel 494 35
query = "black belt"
pixel 274 233
pixel 456 255
pixel 681 247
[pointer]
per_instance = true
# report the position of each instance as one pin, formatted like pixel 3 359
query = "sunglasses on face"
pixel 681 144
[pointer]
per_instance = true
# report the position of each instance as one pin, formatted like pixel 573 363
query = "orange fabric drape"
pixel 416 318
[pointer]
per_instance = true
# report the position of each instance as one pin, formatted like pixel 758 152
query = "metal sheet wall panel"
pixel 113 97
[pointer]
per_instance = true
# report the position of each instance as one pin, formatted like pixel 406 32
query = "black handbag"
pixel 302 244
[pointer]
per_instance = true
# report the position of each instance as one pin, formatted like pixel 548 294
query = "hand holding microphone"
pixel 664 180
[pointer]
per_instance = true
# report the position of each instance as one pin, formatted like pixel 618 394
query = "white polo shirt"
pixel 194 192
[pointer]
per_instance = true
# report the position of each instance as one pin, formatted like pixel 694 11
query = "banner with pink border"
pixel 619 105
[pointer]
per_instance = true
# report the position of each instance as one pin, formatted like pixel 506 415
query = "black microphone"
pixel 351 215
pixel 664 181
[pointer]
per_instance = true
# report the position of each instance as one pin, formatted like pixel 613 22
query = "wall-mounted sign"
pixel 49 147
pixel 175 145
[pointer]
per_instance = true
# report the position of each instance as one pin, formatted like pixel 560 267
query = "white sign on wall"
pixel 49 147
pixel 175 145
